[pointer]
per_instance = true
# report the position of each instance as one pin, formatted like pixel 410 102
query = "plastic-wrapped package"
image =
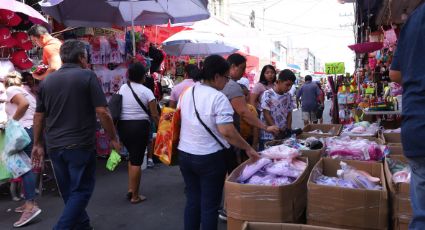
pixel 260 179
pixel 283 168
pixel 251 169
pixel 280 152
pixel 360 129
pixel 358 179
pixel 393 130
pixel 346 148
pixel 333 181
pixel 402 176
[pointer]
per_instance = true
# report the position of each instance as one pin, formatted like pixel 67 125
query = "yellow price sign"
pixel 335 68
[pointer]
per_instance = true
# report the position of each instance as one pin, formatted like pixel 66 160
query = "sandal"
pixel 139 199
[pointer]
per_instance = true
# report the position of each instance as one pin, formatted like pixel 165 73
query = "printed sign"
pixel 335 68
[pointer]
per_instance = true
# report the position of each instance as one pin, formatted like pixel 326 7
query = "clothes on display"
pixel 278 166
pixel 346 148
pixel 363 128
pixel 348 177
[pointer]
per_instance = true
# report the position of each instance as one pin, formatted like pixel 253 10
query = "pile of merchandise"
pixel 363 128
pixel 400 171
pixel 277 166
pixel 311 143
pixel 345 148
pixel 348 177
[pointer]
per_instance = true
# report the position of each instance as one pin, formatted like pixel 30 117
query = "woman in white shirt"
pixel 206 133
pixel 20 106
pixel 134 125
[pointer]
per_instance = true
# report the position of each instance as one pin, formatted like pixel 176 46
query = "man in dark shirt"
pixel 68 101
pixel 407 68
pixel 309 93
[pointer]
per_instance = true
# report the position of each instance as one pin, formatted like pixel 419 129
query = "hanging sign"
pixel 335 68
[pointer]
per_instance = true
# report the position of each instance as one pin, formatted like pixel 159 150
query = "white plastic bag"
pixel 16 138
pixel 18 164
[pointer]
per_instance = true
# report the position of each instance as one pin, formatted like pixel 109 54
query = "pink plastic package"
pixel 280 152
pixel 251 169
pixel 402 176
pixel 283 168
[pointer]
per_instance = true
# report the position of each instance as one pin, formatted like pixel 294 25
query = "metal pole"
pixel 132 31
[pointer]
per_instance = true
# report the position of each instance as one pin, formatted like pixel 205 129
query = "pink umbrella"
pixel 366 47
pixel 8 6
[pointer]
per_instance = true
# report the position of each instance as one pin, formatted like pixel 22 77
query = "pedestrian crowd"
pixel 223 124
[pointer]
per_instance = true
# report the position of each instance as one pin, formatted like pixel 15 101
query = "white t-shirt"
pixel 27 120
pixel 131 110
pixel 214 109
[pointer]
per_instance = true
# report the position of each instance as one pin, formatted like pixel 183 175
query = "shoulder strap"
pixel 203 124
pixel 138 99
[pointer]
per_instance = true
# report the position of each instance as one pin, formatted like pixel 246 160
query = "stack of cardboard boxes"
pixel 399 194
pixel 252 207
pixel 345 207
pixel 272 204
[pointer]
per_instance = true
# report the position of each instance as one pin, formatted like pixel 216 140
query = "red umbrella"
pixel 366 47
pixel 8 8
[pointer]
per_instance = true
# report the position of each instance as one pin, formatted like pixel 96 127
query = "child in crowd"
pixel 277 105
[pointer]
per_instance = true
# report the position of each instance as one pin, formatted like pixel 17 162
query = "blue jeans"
pixel 204 179
pixel 417 192
pixel 75 174
pixel 28 179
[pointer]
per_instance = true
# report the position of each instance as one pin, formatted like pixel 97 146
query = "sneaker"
pixel 150 163
pixel 222 215
pixel 27 216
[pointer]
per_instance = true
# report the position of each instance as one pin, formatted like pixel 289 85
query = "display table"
pixel 382 112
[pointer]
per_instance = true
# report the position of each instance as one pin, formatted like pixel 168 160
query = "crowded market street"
pixel 212 114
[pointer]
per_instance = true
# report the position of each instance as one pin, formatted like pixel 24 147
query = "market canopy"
pixel 197 43
pixel 101 13
pixel 366 47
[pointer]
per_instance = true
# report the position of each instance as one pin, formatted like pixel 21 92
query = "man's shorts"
pixel 310 116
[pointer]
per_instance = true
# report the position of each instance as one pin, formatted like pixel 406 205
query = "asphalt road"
pixel 163 210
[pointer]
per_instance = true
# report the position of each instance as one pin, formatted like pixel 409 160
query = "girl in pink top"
pixel 267 80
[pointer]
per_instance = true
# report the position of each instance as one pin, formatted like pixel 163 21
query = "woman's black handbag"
pixel 115 107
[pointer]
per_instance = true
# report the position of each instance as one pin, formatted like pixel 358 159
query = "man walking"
pixel 51 58
pixel 309 93
pixel 68 101
pixel 407 68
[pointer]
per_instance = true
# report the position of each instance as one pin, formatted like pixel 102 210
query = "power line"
pixel 291 24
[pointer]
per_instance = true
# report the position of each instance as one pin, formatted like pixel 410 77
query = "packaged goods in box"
pixel 322 130
pixel 349 208
pixel 392 135
pixel 275 226
pixel 398 180
pixel 360 129
pixel 264 203
pixel 310 147
pixel 355 148
pixel 395 148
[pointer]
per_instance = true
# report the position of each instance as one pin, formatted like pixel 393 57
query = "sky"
pixel 324 26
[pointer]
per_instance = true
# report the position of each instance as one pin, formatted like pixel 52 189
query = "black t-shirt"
pixel 68 98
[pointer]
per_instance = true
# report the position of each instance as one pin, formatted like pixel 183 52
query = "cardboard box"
pixel 344 207
pixel 400 197
pixel 275 226
pixel 392 137
pixel 325 128
pixel 261 203
pixel 395 148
